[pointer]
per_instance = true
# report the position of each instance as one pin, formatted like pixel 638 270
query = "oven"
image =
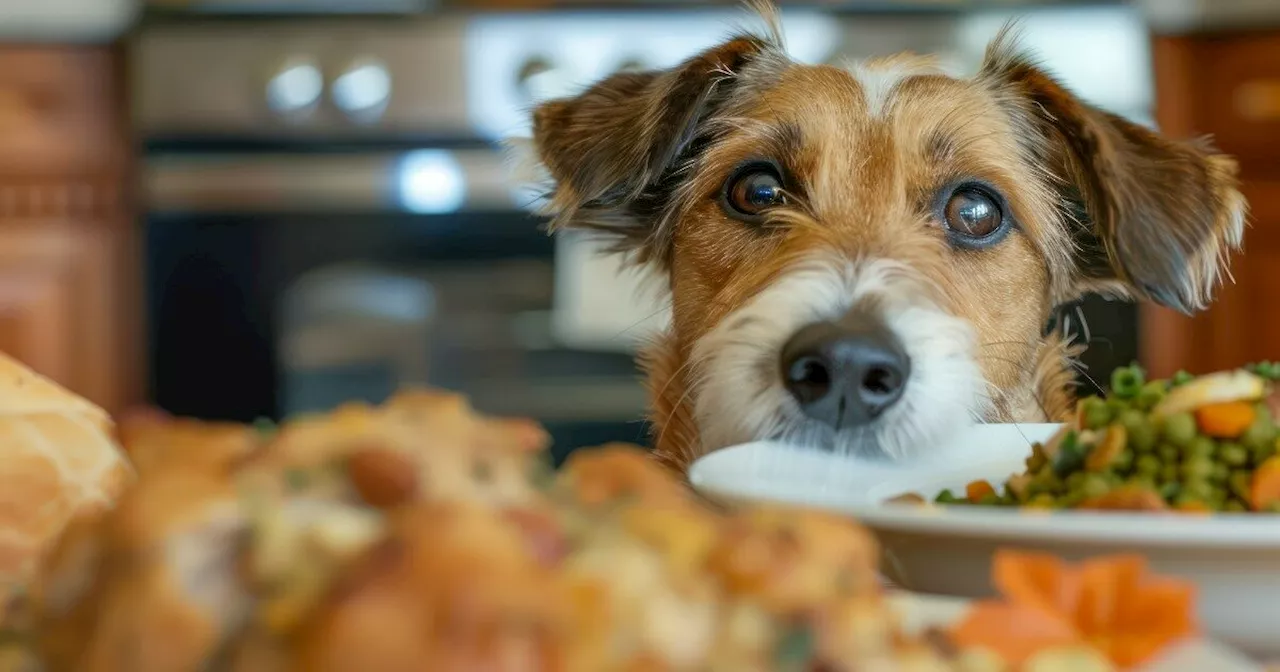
pixel 329 215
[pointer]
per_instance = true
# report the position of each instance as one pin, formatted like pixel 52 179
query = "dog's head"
pixel 867 256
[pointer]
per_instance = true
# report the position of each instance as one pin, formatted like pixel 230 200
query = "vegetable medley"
pixel 1196 444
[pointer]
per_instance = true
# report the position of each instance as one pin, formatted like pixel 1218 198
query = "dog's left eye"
pixel 752 190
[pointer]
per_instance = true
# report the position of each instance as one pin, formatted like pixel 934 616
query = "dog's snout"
pixel 846 373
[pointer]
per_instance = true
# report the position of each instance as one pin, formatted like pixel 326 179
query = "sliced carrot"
pixel 1264 489
pixel 1226 420
pixel 1033 579
pixel 1110 604
pixel 1013 632
pixel 977 490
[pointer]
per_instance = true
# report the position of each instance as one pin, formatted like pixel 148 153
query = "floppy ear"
pixel 1156 216
pixel 612 151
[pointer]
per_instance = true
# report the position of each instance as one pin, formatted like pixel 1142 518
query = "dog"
pixel 864 258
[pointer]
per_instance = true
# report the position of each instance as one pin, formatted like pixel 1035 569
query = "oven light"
pixel 432 182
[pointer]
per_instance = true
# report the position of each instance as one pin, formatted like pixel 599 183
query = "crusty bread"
pixel 58 460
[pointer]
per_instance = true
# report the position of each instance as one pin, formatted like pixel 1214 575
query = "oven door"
pixel 282 283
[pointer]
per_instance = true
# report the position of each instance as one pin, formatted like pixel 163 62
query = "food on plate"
pixel 1108 606
pixel 60 462
pixel 1189 444
pixel 419 534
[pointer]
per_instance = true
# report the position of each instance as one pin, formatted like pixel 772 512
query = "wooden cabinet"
pixel 1227 86
pixel 69 286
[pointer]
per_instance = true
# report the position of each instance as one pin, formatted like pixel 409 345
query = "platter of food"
pixel 1183 472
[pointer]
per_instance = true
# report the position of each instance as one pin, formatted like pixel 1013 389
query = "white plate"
pixel 1233 559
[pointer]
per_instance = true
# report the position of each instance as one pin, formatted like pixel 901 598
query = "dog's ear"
pixel 611 151
pixel 1155 216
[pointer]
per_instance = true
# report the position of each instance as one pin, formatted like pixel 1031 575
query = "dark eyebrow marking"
pixel 939 146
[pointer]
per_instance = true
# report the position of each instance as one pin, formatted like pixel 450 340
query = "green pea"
pixel 1151 394
pixel 1168 453
pixel 1169 472
pixel 1199 489
pixel 1233 454
pixel 1096 414
pixel 1094 485
pixel 1126 382
pixel 1117 406
pixel 1047 481
pixel 1180 429
pixel 1043 500
pixel 1123 463
pixel 1261 453
pixel 945 497
pixel 1201 446
pixel 1070 500
pixel 1221 472
pixel 1148 465
pixel 1239 483
pixel 1181 378
pixel 1259 436
pixel 1197 469
pixel 1170 490
pixel 1234 506
pixel 1217 499
pixel 1075 480
pixel 1141 435
pixel 1144 481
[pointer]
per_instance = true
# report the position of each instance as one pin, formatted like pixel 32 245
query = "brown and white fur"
pixel 1097 204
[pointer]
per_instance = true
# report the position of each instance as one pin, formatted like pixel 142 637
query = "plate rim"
pixel 1164 530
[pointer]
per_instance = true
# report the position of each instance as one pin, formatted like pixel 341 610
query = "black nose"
pixel 845 373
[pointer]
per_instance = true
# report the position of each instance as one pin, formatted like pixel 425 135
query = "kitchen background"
pixel 247 208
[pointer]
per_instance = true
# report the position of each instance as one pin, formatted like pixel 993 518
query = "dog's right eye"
pixel 752 190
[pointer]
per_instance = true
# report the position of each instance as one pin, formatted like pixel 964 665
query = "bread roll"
pixel 58 460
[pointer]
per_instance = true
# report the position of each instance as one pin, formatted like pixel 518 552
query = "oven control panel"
pixel 454 77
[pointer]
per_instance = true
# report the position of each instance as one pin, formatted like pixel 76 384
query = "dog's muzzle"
pixel 845 373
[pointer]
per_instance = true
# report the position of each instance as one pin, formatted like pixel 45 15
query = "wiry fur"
pixel 1098 204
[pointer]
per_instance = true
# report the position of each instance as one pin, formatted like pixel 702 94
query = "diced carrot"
pixel 977 490
pixel 1126 498
pixel 1226 420
pixel 1264 489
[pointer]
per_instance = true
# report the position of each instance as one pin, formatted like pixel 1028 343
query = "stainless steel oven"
pixel 329 216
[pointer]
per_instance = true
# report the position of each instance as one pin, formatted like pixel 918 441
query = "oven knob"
pixel 295 88
pixel 363 90
pixel 540 80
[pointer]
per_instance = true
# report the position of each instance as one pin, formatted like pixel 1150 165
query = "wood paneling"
pixel 69 285
pixel 1200 84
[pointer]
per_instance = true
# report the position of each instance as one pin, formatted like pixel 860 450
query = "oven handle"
pixel 426 181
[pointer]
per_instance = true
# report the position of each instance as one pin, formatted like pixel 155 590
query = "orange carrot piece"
pixel 1013 632
pixel 1033 579
pixel 1110 604
pixel 1264 488
pixel 1226 420
pixel 976 490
